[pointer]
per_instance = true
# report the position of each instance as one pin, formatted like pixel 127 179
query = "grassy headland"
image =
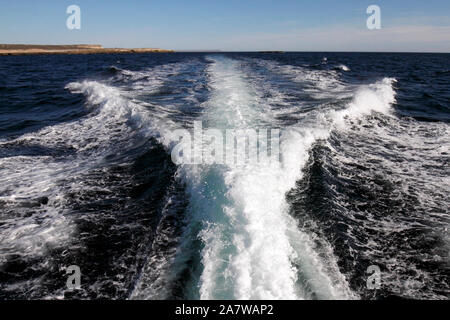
pixel 26 49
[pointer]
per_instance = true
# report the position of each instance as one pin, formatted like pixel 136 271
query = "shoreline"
pixel 20 49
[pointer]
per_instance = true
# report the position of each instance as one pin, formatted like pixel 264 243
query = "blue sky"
pixel 319 25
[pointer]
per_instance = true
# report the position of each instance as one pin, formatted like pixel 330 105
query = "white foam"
pixel 113 120
pixel 29 177
pixel 410 156
pixel 252 247
pixel 376 97
pixel 319 83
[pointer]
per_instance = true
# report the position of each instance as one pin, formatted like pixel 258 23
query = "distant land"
pixel 273 51
pixel 28 49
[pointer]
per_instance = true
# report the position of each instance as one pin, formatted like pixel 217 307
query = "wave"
pixel 241 214
pixel 377 97
pixel 391 178
pixel 319 84
pixel 353 180
pixel 342 67
pixel 58 157
pixel 238 232
pixel 29 177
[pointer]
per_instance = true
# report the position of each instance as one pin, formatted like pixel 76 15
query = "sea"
pixel 354 206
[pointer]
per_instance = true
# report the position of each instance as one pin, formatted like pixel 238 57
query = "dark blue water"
pixel 87 178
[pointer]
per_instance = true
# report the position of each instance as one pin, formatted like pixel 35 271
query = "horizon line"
pixel 231 51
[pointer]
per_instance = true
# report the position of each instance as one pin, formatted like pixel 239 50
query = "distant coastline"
pixel 25 49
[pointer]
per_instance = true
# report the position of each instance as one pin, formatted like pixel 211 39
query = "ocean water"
pixel 87 177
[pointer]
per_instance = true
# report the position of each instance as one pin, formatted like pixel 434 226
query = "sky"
pixel 232 25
